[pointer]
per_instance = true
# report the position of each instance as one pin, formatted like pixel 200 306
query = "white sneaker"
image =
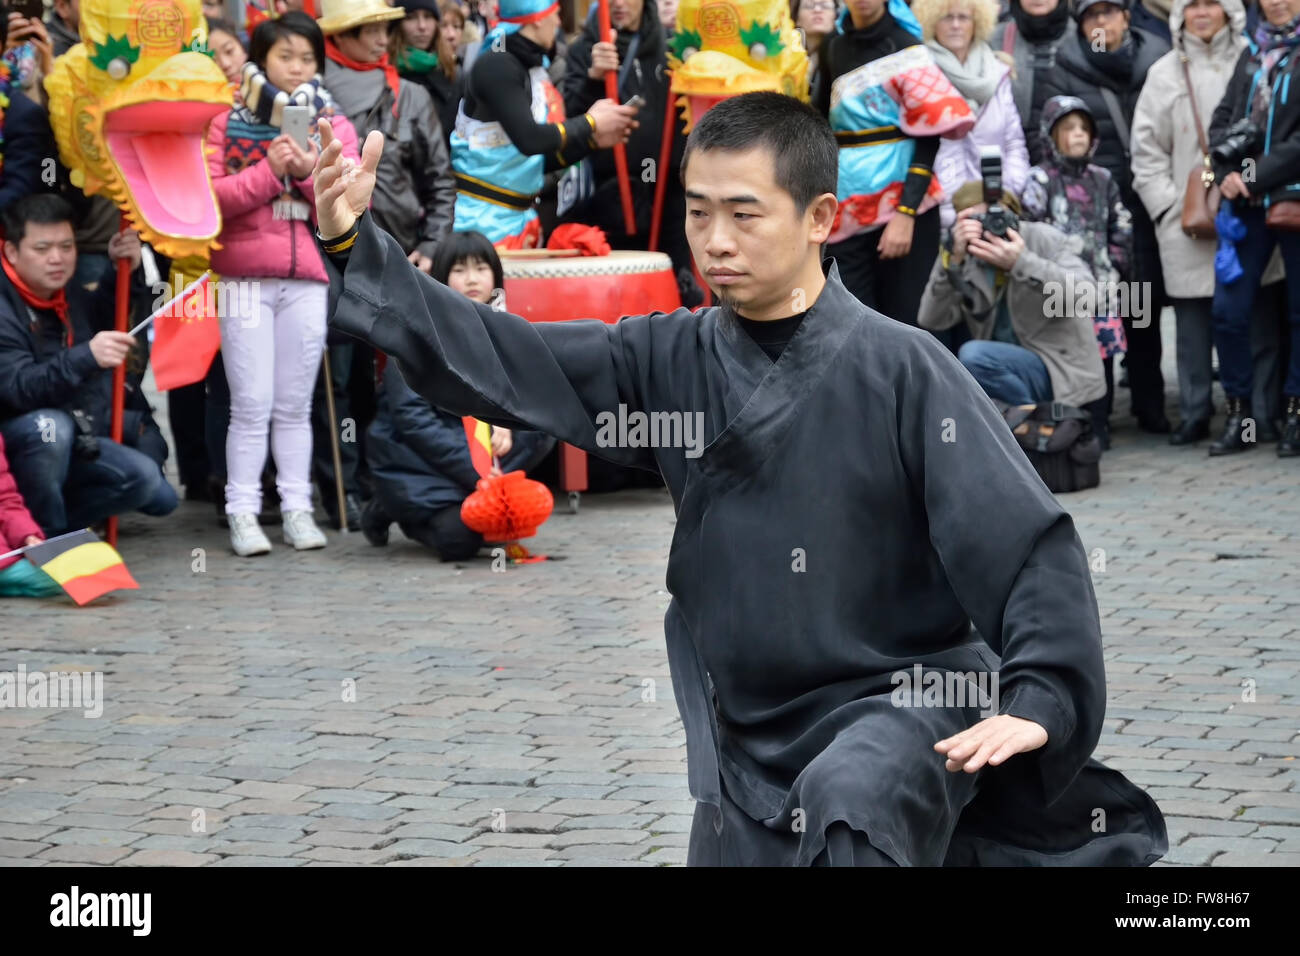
pixel 246 536
pixel 300 531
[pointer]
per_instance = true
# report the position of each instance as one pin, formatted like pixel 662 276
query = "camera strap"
pixel 1116 116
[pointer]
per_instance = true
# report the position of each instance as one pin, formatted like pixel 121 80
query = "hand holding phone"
pixel 296 124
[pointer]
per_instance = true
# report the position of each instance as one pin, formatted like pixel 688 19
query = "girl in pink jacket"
pixel 273 330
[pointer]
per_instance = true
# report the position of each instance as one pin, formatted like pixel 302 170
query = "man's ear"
pixel 823 210
pixel 11 252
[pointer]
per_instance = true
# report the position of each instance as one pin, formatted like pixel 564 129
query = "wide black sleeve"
pixel 466 358
pixel 1012 558
pixel 500 83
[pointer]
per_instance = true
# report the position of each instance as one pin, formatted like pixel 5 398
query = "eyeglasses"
pixel 957 18
pixel 817 6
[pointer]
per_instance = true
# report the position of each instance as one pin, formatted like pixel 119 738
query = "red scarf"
pixel 390 72
pixel 58 304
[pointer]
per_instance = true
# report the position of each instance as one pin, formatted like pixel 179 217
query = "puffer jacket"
pixel 419 456
pixel 253 242
pixel 1166 147
pixel 414 190
pixel 1039 301
pixel 996 124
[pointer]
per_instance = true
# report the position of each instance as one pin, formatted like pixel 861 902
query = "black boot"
pixel 1190 431
pixel 374 523
pixel 1239 419
pixel 1289 446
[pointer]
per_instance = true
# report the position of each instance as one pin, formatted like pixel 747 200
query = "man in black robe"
pixel 857 505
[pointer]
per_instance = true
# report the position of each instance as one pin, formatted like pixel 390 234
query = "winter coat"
pixel 996 124
pixel 1166 147
pixel 253 242
pixel 1039 300
pixel 1077 75
pixel 1081 199
pixel 1277 159
pixel 16 522
pixel 1033 58
pixel 28 142
pixel 419 455
pixel 414 189
pixel 38 369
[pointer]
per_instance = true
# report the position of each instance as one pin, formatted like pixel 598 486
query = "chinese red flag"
pixel 187 336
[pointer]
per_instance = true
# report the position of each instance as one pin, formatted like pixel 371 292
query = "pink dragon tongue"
pixel 158 149
pixel 158 154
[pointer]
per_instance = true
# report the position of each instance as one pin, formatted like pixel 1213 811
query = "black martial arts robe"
pixel 859 503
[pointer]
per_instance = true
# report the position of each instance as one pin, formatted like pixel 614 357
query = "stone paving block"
pixel 168 858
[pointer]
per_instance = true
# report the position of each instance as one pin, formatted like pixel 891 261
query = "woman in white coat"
pixel 1166 148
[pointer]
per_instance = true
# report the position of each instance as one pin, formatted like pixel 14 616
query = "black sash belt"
pixel 870 137
pixel 502 197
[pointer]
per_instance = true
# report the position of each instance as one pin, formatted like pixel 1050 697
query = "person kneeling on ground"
pixel 18 529
pixel 420 455
pixel 1029 345
pixel 56 379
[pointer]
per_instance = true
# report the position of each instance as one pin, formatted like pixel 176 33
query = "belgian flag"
pixel 83 565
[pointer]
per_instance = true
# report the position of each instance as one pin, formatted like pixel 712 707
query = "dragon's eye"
pixel 689 52
pixel 758 51
pixel 118 68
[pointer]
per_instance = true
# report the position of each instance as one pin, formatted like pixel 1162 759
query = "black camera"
pixel 998 219
pixel 84 443
pixel 1241 140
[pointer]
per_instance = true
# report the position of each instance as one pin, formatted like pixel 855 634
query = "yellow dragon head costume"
pixel 726 47
pixel 130 107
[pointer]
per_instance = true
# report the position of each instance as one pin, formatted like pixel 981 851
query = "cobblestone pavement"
pixel 526 717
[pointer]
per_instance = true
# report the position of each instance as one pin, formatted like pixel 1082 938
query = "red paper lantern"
pixel 507 507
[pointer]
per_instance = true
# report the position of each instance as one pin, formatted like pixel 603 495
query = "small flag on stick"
pixel 480 444
pixel 187 336
pixel 83 565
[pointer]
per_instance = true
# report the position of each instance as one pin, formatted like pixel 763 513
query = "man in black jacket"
pixel 1105 64
pixel 55 380
pixel 638 58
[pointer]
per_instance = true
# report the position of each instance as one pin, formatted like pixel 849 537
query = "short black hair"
pixel 806 157
pixel 225 26
pixel 294 23
pixel 458 247
pixel 43 209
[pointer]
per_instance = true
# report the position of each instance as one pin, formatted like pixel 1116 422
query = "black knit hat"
pixel 410 6
pixel 1081 5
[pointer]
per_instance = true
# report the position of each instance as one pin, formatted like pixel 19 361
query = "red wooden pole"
pixel 661 172
pixel 119 374
pixel 620 152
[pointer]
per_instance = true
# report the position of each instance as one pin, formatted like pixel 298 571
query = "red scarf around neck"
pixel 58 303
pixel 390 71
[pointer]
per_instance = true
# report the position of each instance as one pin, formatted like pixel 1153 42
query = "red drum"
pixel 548 286
pixel 556 288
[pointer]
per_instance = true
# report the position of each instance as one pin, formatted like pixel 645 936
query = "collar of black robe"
pixel 763 397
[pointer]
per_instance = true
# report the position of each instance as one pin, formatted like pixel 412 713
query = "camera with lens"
pixel 1241 140
pixel 84 443
pixel 998 219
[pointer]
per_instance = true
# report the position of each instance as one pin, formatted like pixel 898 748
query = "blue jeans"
pixel 1006 372
pixel 1234 305
pixel 64 492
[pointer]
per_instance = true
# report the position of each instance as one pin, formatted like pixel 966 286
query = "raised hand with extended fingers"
pixel 342 186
